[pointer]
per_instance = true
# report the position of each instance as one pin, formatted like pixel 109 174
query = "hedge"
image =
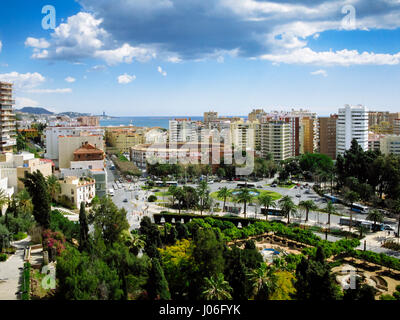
pixel 26 282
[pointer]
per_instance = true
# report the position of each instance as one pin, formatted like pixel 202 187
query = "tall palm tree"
pixel 54 186
pixel 244 197
pixel 224 193
pixel 264 281
pixel 267 202
pixel 217 288
pixel 308 205
pixel 24 201
pixel 351 197
pixel 203 191
pixel 287 206
pixel 3 201
pixel 375 216
pixel 330 209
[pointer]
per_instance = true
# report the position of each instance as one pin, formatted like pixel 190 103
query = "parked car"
pixel 125 200
pixel 388 227
pixel 273 185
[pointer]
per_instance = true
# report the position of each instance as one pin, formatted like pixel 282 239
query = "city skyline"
pixel 141 58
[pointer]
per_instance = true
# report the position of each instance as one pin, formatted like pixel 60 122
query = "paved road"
pixel 10 275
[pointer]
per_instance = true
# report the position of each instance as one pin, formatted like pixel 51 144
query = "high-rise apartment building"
pixel 210 116
pixel 7 118
pixel 352 124
pixel 256 114
pixel 327 135
pixel 183 130
pixel 275 139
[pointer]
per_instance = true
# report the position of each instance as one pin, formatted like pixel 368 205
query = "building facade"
pixel 7 118
pixel 327 135
pixel 352 124
pixel 275 139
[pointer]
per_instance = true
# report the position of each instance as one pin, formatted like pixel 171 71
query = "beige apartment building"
pixel 327 135
pixel 7 118
pixel 209 117
pixel 275 139
pixel 88 121
pixel 122 139
pixel 68 144
pixel 244 135
pixel 390 145
pixel 78 190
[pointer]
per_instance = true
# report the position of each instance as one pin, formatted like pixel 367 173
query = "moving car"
pixel 125 200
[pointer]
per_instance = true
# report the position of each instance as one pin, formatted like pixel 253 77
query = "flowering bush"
pixel 53 240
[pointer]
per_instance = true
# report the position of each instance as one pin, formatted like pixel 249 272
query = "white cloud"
pixel 70 79
pixel 161 71
pixel 126 78
pixel 125 54
pixel 1 45
pixel 23 80
pixel 82 37
pixel 22 102
pixel 37 43
pixel 63 90
pixel 320 72
pixel 330 58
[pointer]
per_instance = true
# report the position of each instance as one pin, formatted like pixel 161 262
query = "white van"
pixel 111 192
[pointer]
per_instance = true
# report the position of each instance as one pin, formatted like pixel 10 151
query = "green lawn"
pixel 286 186
pixel 274 195
pixel 162 194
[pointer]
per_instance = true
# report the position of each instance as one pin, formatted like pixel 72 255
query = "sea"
pixel 162 122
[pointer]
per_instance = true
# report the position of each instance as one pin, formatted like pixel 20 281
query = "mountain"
pixel 34 110
pixel 73 114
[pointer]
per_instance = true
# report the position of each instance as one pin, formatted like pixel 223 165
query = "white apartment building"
pixel 243 135
pixel 352 124
pixel 183 130
pixel 78 190
pixel 275 140
pixel 7 118
pixel 52 135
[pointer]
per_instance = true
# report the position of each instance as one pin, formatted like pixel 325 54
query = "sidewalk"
pixel 10 275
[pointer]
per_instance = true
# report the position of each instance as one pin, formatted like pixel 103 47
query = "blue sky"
pixel 184 57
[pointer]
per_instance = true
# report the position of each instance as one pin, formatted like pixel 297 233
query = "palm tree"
pixel 180 196
pixel 375 216
pixel 136 243
pixel 203 192
pixel 267 202
pixel 53 185
pixel 224 193
pixel 330 209
pixel 287 206
pixel 264 281
pixel 351 197
pixel 217 288
pixel 24 201
pixel 3 201
pixel 245 197
pixel 308 205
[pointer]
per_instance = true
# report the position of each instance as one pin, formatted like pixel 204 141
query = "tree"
pixel 288 207
pixel 375 216
pixel 3 201
pixel 351 197
pixel 203 193
pixel 308 205
pixel 244 197
pixel 109 220
pixel 216 288
pixel 54 186
pixel 157 285
pixel 315 282
pixel 36 185
pixel 83 229
pixel 267 202
pixel 264 281
pixel 330 209
pixel 224 193
pixel 24 201
pixel 136 242
pixel 362 292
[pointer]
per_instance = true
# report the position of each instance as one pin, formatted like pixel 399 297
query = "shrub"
pixel 152 198
pixel 3 257
pixel 19 236
pixel 26 278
